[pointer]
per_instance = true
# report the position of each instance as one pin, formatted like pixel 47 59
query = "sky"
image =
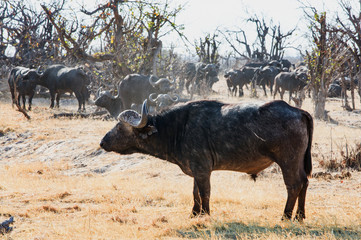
pixel 201 17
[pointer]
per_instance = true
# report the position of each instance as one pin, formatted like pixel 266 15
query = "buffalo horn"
pixel 155 82
pixel 118 91
pixel 175 98
pixel 98 92
pixel 153 97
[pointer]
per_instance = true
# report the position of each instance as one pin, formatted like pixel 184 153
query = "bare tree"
pixel 207 49
pixel 27 31
pixel 270 43
pixel 351 28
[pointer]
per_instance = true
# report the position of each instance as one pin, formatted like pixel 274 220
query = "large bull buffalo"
pixel 23 80
pixel 203 136
pixel 60 79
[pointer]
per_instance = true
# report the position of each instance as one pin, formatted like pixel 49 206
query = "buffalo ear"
pixel 135 119
pixel 129 116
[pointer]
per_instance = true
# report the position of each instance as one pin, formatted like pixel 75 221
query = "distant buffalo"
pixel 236 79
pixel 289 81
pixel 132 91
pixel 204 136
pixel 334 90
pixel 198 75
pixel 60 79
pixel 23 80
pixel 135 88
pixel 113 104
pixel 163 100
pixel 265 77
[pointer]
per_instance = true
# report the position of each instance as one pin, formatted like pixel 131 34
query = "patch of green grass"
pixel 236 230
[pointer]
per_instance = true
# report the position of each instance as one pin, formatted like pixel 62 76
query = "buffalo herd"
pixel 57 78
pixel 277 77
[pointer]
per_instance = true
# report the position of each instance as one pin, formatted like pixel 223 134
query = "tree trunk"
pixel 155 57
pixel 320 103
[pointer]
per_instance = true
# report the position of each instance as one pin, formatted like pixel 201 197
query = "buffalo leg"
pixel 204 190
pixel 24 100
pixel 197 200
pixel 281 93
pixel 30 100
pixel 57 100
pixel 52 99
pixel 300 214
pixel 12 95
pixel 295 184
pixel 275 92
pixel 240 91
pixel 264 89
pixel 80 100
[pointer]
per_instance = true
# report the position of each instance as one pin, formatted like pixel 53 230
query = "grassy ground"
pixel 58 184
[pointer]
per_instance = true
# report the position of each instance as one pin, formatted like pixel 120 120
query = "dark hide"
pixel 198 75
pixel 203 136
pixel 162 101
pixel 24 79
pixel 334 90
pixel 113 104
pixel 289 81
pixel 265 77
pixel 135 88
pixel 60 79
pixel 236 78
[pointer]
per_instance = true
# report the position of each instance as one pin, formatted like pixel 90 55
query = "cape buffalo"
pixel 290 81
pixel 236 78
pixel 163 100
pixel 135 88
pixel 23 79
pixel 197 75
pixel 60 79
pixel 113 104
pixel 265 76
pixel 203 136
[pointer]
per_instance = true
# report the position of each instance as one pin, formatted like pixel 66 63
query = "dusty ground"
pixel 58 184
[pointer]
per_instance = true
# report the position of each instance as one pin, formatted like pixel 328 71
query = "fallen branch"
pixel 20 109
pixel 81 115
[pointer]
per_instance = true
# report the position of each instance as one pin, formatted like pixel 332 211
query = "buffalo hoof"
pixel 286 217
pixel 199 213
pixel 299 217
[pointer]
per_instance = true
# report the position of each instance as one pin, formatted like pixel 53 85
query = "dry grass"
pixel 49 183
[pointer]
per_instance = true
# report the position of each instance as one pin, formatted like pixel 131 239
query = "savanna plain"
pixel 58 183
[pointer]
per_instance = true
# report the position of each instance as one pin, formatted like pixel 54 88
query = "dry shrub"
pixel 350 159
